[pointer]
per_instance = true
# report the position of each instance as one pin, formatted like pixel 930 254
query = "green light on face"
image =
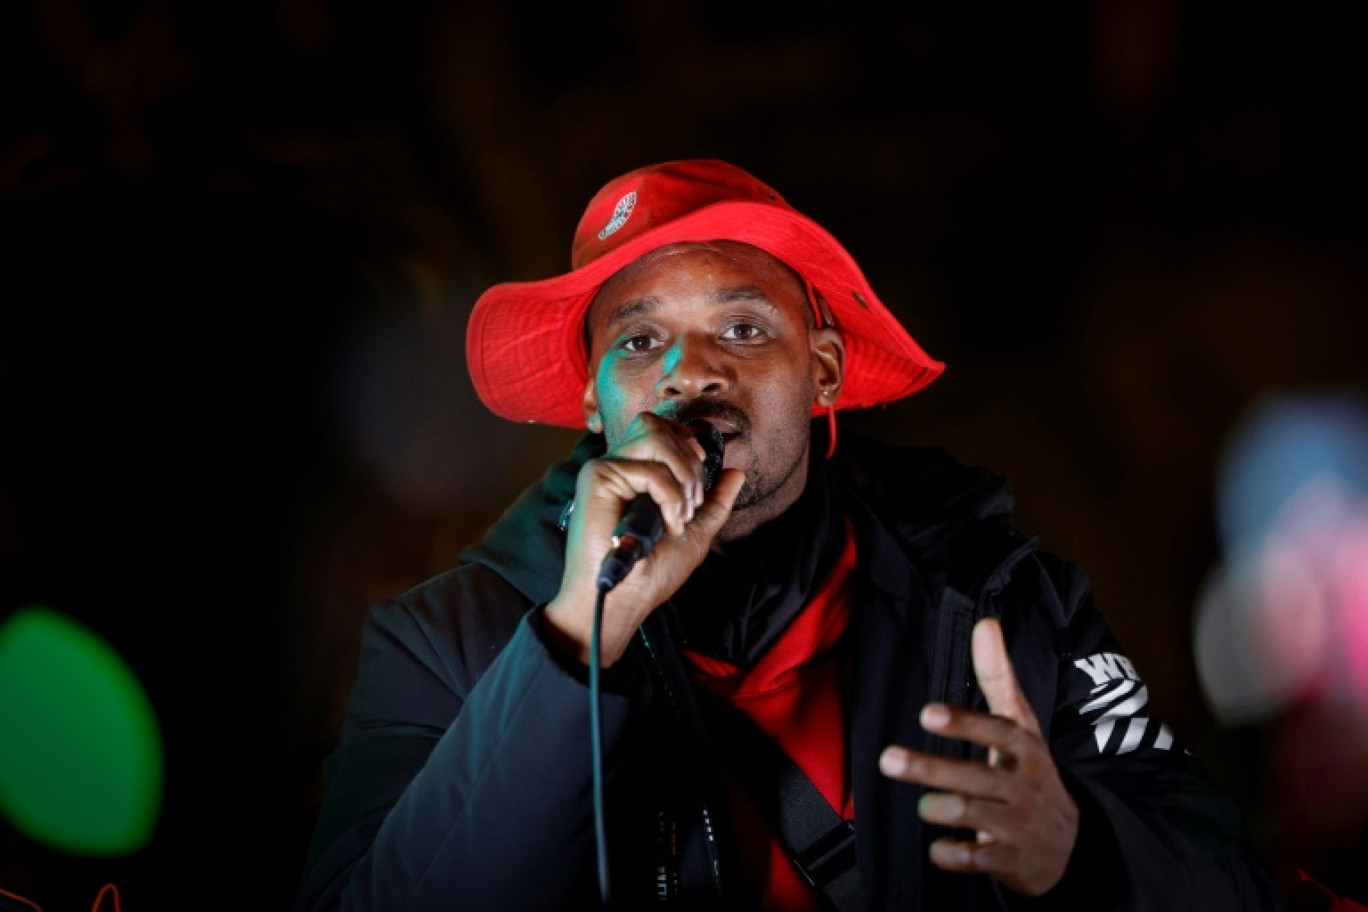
pixel 81 762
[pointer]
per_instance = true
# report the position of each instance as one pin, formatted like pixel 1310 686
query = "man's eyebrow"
pixel 633 308
pixel 750 294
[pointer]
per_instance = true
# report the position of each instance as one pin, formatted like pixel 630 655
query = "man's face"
pixel 718 330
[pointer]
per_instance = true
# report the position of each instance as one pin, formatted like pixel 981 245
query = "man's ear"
pixel 592 420
pixel 828 364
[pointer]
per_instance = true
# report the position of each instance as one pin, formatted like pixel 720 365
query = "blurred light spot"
pixel 81 762
pixel 1280 447
pixel 1289 614
pixel 1284 619
pixel 1249 668
pixel 1351 578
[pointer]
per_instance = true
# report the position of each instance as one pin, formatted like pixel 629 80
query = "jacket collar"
pixel 526 545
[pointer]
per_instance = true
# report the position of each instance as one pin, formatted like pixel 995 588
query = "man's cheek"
pixel 609 394
pixel 617 409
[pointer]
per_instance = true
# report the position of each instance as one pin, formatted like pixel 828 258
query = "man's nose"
pixel 693 367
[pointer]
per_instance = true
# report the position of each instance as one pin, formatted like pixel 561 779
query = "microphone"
pixel 641 526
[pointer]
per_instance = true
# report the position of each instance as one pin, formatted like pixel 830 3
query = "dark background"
pixel 241 241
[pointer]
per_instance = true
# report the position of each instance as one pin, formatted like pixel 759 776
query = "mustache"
pixel 703 409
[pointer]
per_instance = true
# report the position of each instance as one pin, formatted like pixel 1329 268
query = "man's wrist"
pixel 566 626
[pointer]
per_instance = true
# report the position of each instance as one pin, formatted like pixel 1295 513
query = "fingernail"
pixel 893 761
pixel 949 853
pixel 940 808
pixel 935 715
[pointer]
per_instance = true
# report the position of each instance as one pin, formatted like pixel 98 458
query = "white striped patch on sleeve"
pixel 1118 698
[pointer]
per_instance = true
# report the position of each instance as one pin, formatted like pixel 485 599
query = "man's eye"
pixel 638 344
pixel 743 332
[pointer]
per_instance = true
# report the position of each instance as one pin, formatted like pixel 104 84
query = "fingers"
pixel 997 679
pixel 614 482
pixel 1001 735
pixel 984 815
pixel 968 776
pixel 970 857
pixel 661 458
pixel 1023 821
pixel 1031 865
pixel 973 795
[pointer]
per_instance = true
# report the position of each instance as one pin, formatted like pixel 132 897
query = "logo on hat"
pixel 621 212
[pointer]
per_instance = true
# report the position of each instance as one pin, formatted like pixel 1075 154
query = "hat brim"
pixel 525 346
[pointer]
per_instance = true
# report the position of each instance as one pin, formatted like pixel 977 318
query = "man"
pixel 973 735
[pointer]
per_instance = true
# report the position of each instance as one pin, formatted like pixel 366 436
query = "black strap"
pixel 819 841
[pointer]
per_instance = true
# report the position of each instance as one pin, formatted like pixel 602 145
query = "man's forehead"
pixel 739 252
pixel 764 265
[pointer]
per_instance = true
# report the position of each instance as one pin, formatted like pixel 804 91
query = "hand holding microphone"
pixel 641 524
pixel 659 470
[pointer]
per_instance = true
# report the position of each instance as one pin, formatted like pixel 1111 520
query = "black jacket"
pixel 462 779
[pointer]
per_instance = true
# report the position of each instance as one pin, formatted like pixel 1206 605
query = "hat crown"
pixel 525 345
pixel 633 204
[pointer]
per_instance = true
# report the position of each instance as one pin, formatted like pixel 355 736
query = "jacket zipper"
pixel 1004 567
pixel 710 836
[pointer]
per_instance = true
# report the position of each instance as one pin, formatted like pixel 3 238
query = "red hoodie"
pixel 793 694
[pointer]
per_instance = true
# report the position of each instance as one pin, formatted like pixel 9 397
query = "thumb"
pixel 677 556
pixel 997 679
pixel 718 505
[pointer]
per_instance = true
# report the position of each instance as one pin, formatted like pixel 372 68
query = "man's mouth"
pixel 728 419
pixel 728 429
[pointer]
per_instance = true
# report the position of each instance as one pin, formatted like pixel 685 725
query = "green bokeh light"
pixel 81 761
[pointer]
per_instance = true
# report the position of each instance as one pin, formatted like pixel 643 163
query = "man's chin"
pixel 753 508
pixel 748 498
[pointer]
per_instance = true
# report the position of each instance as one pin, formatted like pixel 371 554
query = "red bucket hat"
pixel 525 343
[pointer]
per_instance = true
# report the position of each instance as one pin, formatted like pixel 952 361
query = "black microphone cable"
pixel 596 743
pixel 635 537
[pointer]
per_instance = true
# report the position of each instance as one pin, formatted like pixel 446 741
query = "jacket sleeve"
pixel 1155 831
pixel 445 793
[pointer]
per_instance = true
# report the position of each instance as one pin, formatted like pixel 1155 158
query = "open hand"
pixel 1025 819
